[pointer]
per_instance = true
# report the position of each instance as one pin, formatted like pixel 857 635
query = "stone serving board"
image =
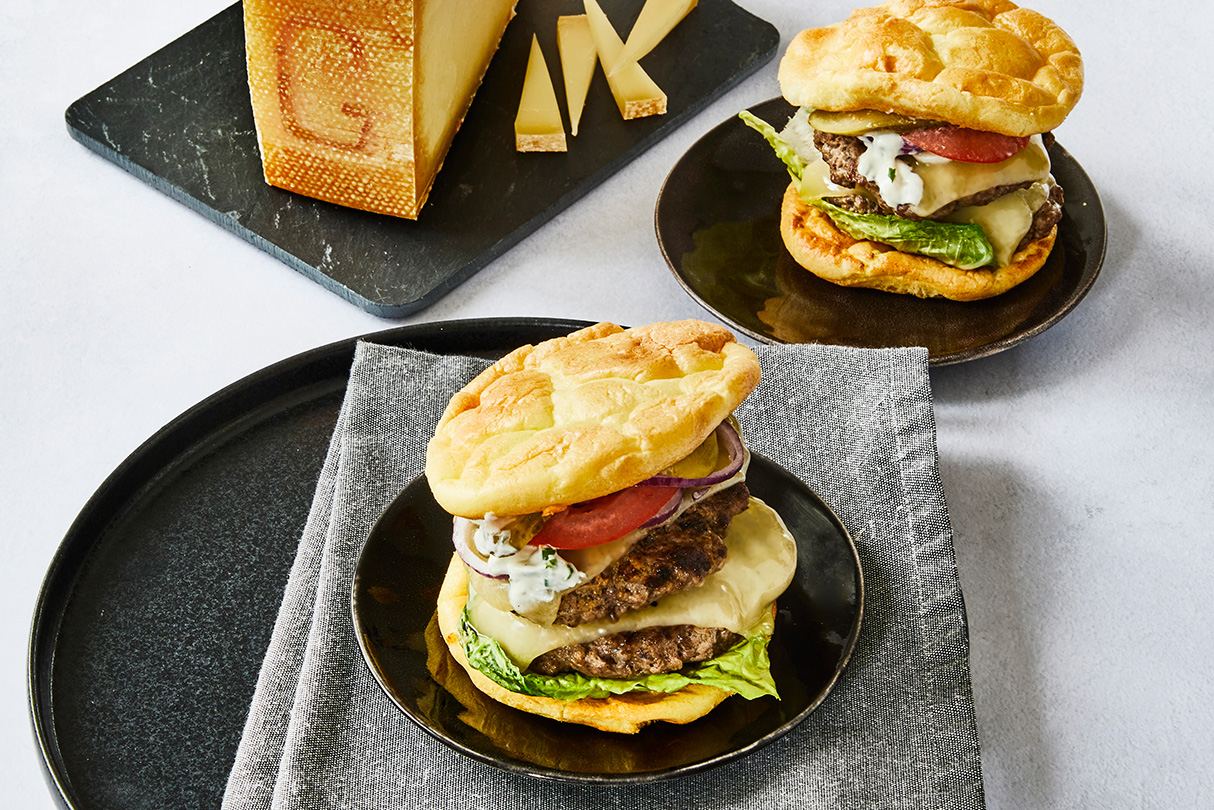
pixel 181 121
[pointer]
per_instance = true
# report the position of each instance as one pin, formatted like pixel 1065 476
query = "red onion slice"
pixel 461 535
pixel 666 511
pixel 733 447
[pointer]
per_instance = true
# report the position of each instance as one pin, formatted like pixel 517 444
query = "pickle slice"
pixel 857 122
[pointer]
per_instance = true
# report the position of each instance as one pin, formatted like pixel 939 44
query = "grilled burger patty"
pixel 650 651
pixel 671 558
pixel 842 152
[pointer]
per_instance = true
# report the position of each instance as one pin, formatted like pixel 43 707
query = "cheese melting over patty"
pixel 760 564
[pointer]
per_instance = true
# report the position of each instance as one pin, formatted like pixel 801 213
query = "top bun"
pixel 582 416
pixel 981 64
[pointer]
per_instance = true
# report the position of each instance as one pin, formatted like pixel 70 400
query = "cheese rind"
pixel 357 104
pixel 537 126
pixel 635 93
pixel 657 19
pixel 578 58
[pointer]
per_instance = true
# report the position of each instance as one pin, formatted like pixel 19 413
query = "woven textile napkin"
pixel 898 730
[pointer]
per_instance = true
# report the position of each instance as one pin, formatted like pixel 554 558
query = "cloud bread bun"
pixel 585 415
pixel 623 714
pixel 981 64
pixel 820 247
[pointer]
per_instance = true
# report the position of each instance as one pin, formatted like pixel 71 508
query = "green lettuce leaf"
pixel 744 669
pixel 962 245
pixel 796 167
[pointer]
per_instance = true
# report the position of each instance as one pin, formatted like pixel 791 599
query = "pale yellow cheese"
pixel 951 180
pixel 578 58
pixel 635 93
pixel 1007 219
pixel 357 103
pixel 538 127
pixel 656 20
pixel 761 561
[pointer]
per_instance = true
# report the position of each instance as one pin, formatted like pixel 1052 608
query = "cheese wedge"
pixel 538 127
pixel 578 58
pixel 657 19
pixel 635 93
pixel 357 103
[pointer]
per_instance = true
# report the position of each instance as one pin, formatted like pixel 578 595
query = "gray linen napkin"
pixel 898 730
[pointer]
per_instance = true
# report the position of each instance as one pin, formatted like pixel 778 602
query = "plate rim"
pixel 320 369
pixel 516 766
pixel 1087 278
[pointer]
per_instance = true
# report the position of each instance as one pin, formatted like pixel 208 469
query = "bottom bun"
pixel 625 714
pixel 829 253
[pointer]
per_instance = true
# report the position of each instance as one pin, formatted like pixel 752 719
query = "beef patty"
pixel 650 651
pixel 670 558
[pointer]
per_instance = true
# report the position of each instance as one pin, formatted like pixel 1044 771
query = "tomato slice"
pixel 969 145
pixel 603 519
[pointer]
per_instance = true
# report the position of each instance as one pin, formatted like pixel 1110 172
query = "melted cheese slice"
pixel 759 566
pixel 357 103
pixel 1007 219
pixel 656 20
pixel 635 93
pixel 578 58
pixel 947 181
pixel 538 127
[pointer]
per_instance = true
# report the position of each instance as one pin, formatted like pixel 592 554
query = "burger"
pixel 609 567
pixel 919 152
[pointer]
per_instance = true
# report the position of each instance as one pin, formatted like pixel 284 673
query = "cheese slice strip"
pixel 950 180
pixel 538 127
pixel 357 103
pixel 759 565
pixel 635 93
pixel 656 20
pixel 578 58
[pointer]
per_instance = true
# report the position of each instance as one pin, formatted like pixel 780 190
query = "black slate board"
pixel 181 121
pixel 155 614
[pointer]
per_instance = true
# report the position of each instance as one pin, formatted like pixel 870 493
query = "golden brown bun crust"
pixel 982 64
pixel 829 253
pixel 624 714
pixel 585 415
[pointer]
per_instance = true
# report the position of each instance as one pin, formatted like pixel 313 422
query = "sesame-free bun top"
pixel 585 415
pixel 981 64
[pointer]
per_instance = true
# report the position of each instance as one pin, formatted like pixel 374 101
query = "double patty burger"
pixel 611 567
pixel 919 152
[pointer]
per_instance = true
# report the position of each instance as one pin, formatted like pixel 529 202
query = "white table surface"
pixel 1077 467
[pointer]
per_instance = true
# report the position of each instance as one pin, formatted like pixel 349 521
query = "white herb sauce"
pixel 896 180
pixel 536 573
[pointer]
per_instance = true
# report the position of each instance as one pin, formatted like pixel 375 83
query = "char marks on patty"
pixel 670 558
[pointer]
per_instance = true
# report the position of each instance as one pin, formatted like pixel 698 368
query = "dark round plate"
pixel 718 225
pixel 396 584
pixel 153 619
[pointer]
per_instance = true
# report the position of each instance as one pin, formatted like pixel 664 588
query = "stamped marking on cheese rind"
pixel 286 43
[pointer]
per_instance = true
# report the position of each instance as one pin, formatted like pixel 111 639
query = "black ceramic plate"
pixel 396 583
pixel 718 225
pixel 155 614
pixel 181 121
